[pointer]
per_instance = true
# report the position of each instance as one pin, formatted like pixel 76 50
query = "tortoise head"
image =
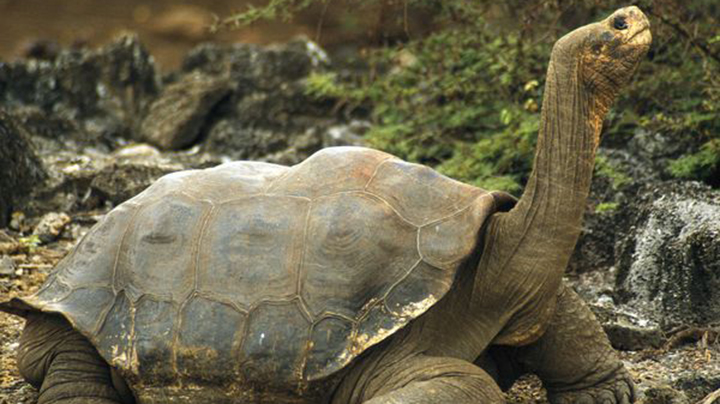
pixel 605 54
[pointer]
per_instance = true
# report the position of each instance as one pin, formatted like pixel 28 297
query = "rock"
pixel 21 168
pixel 351 134
pixel 120 180
pixel 175 118
pixel 627 331
pixel 18 222
pixel 630 337
pixel 611 206
pixel 130 170
pixel 89 96
pixel 255 66
pixel 669 261
pixel 594 286
pixel 44 49
pixel 137 151
pixel 50 226
pixel 664 394
pixel 595 248
pixel 7 266
pixel 302 147
pixel 649 153
pixel 89 180
pixel 268 114
pixel 657 148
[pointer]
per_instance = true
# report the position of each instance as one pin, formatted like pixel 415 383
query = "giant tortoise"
pixel 352 277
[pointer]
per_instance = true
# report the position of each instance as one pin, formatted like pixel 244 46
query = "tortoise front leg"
pixel 421 380
pixel 64 365
pixel 574 358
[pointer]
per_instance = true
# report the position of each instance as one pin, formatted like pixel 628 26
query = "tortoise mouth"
pixel 642 37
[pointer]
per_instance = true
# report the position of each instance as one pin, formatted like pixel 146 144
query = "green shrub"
pixel 606 207
pixel 703 165
pixel 604 168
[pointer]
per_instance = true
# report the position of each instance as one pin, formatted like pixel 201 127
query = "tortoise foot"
pixel 618 390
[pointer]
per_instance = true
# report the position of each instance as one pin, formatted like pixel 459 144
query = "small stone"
pixel 17 222
pixel 627 331
pixel 123 179
pixel 7 266
pixel 137 151
pixel 5 238
pixel 50 226
pixel 664 394
pixel 631 337
pixel 347 134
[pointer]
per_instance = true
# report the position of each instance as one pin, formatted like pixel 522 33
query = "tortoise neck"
pixel 527 249
pixel 554 199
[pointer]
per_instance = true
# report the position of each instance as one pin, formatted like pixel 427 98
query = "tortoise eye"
pixel 620 23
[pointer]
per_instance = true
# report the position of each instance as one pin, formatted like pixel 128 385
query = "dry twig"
pixel 711 398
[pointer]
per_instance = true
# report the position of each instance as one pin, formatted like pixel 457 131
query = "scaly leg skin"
pixel 574 358
pixel 422 380
pixel 64 365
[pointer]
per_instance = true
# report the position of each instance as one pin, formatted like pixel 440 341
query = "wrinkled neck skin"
pixel 527 249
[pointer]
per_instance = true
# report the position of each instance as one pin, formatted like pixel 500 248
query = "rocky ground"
pixel 89 129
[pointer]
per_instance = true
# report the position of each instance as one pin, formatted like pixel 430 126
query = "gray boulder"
pixel 669 259
pixel 175 118
pixel 268 114
pixel 90 180
pixel 89 96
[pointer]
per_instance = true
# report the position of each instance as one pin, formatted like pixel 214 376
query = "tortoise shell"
pixel 263 273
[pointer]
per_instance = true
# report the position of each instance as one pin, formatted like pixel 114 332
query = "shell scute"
pixel 114 339
pixel 411 293
pixel 87 305
pixel 332 170
pixel 153 341
pixel 329 344
pixel 238 179
pixel 358 247
pixel 419 193
pixel 445 243
pixel 274 344
pixel 156 256
pixel 252 248
pixel 98 250
pixel 207 353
